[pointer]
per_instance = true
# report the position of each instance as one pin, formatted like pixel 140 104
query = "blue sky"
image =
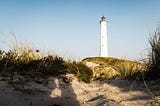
pixel 71 28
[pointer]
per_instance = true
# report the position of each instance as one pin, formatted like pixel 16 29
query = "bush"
pixel 82 72
pixel 52 66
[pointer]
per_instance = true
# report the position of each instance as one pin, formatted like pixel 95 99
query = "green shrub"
pixel 82 72
pixel 52 66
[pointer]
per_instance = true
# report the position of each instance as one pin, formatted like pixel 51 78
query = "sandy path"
pixel 59 93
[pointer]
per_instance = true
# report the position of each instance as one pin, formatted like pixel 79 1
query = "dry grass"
pixel 22 60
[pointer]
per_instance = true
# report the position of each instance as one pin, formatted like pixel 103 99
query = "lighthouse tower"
pixel 103 38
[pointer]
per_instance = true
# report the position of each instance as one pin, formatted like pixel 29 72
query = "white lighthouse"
pixel 103 38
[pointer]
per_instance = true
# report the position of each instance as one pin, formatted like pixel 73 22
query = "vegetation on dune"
pixel 109 61
pixel 22 60
pixel 153 60
pixel 83 72
pixel 112 67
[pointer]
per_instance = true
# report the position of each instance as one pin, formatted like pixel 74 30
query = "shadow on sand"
pixel 63 94
pixel 145 92
pixel 37 92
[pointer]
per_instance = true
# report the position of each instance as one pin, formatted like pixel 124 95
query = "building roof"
pixel 103 18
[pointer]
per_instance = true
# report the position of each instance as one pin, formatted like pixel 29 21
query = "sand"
pixel 54 91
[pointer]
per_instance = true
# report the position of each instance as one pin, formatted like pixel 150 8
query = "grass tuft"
pixel 153 62
pixel 128 70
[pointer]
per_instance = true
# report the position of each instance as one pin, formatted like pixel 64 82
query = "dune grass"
pixel 22 60
pixel 153 60
pixel 112 67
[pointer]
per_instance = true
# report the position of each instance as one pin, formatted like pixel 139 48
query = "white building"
pixel 103 38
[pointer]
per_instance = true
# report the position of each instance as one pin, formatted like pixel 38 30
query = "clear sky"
pixel 71 28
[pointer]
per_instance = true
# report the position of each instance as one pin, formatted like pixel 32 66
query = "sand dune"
pixel 57 92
